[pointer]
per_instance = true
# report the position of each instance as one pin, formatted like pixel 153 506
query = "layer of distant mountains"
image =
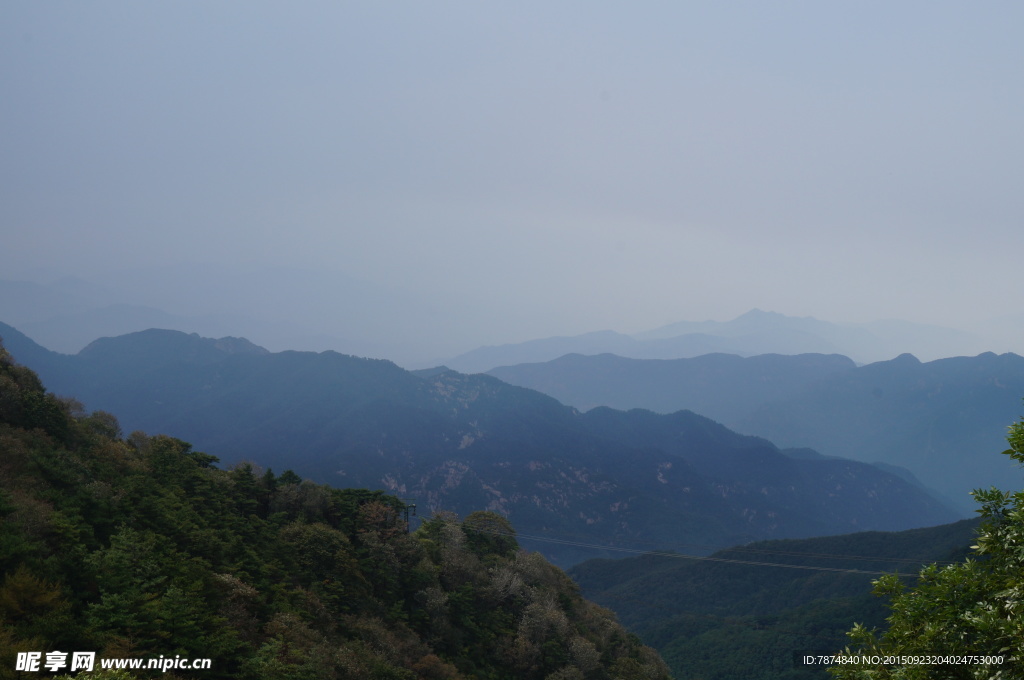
pixel 322 310
pixel 754 333
pixel 943 420
pixel 582 479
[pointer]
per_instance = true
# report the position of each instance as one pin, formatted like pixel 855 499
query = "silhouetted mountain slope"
pixel 598 342
pixel 754 321
pixel 756 332
pixel 30 353
pixel 864 342
pixel 468 442
pixel 72 332
pixel 936 419
pixel 779 340
pixel 737 617
pixel 277 307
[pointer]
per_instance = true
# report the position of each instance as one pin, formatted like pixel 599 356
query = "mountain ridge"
pixel 472 441
pixel 934 418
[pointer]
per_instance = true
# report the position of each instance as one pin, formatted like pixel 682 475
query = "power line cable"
pixel 569 540
pixel 703 558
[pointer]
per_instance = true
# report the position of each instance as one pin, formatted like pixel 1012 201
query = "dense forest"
pixel 139 546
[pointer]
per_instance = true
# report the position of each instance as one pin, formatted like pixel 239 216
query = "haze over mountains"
pixel 466 442
pixel 289 309
pixel 280 308
pixel 753 333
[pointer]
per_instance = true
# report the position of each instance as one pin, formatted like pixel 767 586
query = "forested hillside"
pixel 745 611
pixel 139 546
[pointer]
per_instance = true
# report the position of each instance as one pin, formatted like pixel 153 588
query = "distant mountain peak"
pixel 233 345
pixel 156 341
pixel 907 358
pixel 431 372
pixel 757 312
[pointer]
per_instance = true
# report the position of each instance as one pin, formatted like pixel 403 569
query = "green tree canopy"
pixel 972 609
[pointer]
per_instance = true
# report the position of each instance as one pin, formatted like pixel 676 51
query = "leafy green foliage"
pixel 973 608
pixel 140 547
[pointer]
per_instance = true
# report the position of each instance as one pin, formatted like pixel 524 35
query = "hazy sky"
pixel 526 169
